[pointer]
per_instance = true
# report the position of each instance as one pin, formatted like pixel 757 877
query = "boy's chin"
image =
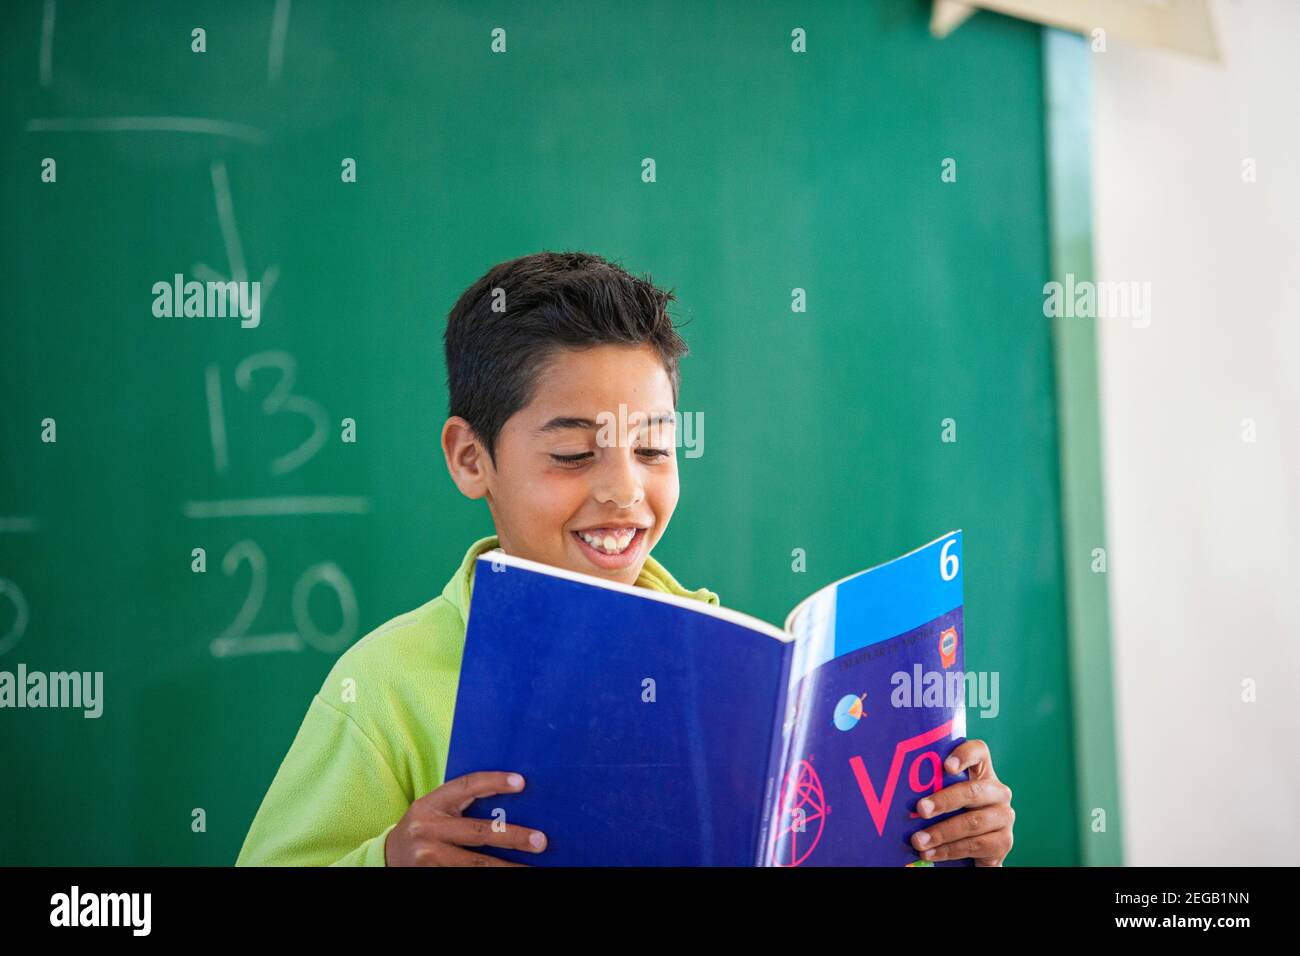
pixel 625 576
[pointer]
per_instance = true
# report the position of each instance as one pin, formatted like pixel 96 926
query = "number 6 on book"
pixel 948 564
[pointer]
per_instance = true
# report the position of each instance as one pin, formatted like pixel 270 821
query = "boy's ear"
pixel 467 458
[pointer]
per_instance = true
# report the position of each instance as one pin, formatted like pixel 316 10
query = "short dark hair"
pixel 552 301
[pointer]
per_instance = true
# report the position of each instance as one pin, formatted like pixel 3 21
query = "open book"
pixel 655 730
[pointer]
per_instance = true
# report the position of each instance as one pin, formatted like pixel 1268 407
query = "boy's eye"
pixel 571 460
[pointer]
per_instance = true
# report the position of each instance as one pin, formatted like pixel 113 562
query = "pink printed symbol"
pixel 878 804
pixel 802 799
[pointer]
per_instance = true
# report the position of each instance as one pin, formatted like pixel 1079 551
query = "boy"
pixel 538 351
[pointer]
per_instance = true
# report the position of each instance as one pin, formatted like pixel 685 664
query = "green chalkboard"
pixel 774 171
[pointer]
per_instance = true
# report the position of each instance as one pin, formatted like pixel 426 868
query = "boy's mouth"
pixel 610 548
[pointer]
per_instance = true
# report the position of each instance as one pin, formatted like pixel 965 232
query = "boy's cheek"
pixel 668 504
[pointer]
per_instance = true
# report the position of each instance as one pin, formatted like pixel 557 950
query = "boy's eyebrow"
pixel 570 421
pixel 557 424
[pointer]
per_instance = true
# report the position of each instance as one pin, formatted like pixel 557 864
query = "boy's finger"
pixel 455 856
pixel 967 754
pixel 471 831
pixel 968 793
pixel 969 824
pixel 457 794
pixel 988 847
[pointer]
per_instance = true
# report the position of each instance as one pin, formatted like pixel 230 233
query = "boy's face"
pixel 570 493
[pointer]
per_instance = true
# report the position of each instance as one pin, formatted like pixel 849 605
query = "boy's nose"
pixel 618 483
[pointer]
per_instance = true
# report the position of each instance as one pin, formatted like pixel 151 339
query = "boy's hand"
pixel 432 832
pixel 984 831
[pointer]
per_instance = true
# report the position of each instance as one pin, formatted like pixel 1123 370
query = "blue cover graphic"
pixel 864 763
pixel 875 717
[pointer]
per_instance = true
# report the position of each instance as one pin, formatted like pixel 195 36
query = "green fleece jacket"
pixel 376 734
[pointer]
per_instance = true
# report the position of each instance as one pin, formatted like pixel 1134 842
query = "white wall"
pixel 1204 528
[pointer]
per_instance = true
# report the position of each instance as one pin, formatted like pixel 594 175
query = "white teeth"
pixel 610 543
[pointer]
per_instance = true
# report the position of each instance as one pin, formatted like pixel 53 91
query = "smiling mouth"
pixel 611 541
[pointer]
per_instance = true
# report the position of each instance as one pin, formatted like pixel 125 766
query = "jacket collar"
pixel 653 576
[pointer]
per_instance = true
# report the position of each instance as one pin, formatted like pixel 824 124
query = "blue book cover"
pixel 655 730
